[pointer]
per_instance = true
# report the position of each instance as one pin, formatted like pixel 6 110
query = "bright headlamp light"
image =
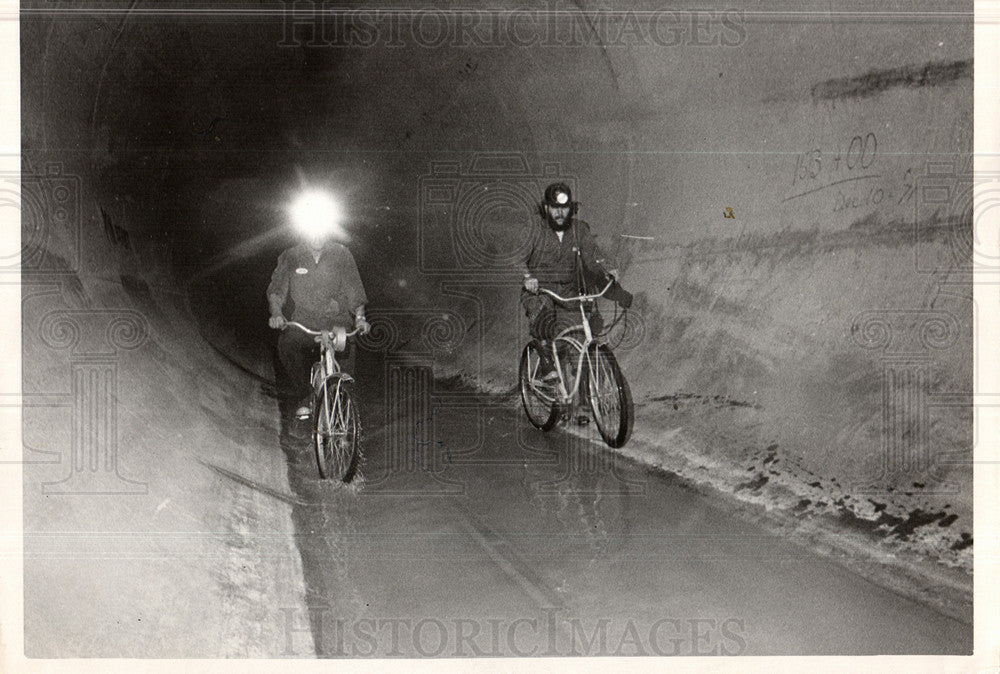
pixel 315 213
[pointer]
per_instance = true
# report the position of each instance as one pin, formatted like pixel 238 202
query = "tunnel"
pixel 785 188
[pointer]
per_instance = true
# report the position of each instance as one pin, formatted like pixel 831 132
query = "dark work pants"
pixel 297 352
pixel 546 319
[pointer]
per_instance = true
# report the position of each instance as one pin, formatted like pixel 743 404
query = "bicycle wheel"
pixel 609 396
pixel 537 396
pixel 336 431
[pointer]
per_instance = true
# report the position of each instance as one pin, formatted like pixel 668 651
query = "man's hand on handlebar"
pixel 362 325
pixel 276 322
pixel 531 284
pixel 618 294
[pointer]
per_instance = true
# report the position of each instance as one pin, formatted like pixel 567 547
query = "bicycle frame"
pixel 567 396
pixel 331 408
pixel 328 366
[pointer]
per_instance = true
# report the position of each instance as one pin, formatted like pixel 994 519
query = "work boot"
pixel 302 411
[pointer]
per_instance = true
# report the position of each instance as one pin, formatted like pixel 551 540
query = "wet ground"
pixel 472 534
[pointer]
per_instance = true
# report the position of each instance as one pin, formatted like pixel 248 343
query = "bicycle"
pixel 607 392
pixel 336 426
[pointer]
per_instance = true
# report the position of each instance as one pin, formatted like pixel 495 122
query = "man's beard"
pixel 567 223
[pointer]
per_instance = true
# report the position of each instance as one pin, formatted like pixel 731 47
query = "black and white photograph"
pixel 511 334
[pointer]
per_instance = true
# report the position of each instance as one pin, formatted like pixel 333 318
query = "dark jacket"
pixel 572 266
pixel 320 294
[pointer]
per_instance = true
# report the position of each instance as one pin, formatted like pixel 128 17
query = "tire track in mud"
pixel 325 525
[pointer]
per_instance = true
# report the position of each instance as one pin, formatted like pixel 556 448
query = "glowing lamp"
pixel 315 214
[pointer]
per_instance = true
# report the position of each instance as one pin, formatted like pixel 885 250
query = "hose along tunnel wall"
pixel 790 201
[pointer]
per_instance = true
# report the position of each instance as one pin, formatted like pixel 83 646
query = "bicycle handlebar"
pixel 578 298
pixel 310 331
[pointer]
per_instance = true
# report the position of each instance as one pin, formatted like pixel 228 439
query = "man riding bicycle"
pixel 318 282
pixel 564 258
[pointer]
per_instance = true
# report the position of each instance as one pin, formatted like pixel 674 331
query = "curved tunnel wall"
pixel 828 320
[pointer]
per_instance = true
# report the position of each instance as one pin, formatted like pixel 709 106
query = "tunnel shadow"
pixel 324 512
pixel 247 482
pixel 309 513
